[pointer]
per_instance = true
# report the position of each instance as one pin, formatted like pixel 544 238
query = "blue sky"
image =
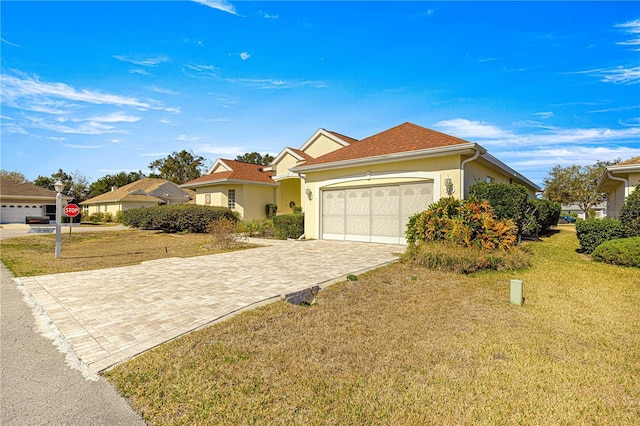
pixel 103 87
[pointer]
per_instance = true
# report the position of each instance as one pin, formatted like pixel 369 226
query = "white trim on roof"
pixel 468 148
pixel 221 163
pixel 226 181
pixel 290 151
pixel 323 132
pixel 511 172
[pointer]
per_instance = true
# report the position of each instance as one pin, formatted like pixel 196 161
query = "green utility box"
pixel 515 293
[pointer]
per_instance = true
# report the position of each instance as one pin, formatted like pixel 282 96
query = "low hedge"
pixel 176 218
pixel 622 252
pixel 288 226
pixel 593 232
pixel 451 257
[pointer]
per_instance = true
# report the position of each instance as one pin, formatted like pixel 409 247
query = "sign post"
pixel 71 211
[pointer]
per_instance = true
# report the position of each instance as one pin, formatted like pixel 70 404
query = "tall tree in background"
pixel 76 184
pixel 104 184
pixel 13 176
pixel 255 158
pixel 178 167
pixel 576 185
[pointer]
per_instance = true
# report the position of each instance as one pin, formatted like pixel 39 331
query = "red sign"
pixel 72 210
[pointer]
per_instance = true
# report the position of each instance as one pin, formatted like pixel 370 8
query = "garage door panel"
pixel 376 214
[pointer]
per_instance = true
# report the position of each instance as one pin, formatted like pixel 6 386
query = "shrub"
pixel 545 214
pixel 630 212
pixel 593 232
pixel 507 201
pixel 448 256
pixel 222 231
pixel 288 226
pixel 176 218
pixel 108 217
pixel 96 217
pixel 461 222
pixel 622 252
pixel 270 210
pixel 262 228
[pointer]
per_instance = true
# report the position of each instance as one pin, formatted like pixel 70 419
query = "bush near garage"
pixel 507 201
pixel 621 252
pixel 465 223
pixel 288 226
pixel 447 256
pixel 593 232
pixel 176 218
pixel 630 212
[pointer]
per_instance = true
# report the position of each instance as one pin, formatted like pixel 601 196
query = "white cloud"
pixel 14 88
pixel 581 155
pixel 222 5
pixel 632 28
pixel 184 137
pixel 154 154
pixel 75 146
pixel 244 56
pixel 544 115
pixel 139 71
pixel 229 151
pixel 491 135
pixel 266 15
pixel 115 117
pixel 145 61
pixel 164 91
pixel 202 71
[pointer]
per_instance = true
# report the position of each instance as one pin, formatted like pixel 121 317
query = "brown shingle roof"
pixel 301 153
pixel 403 138
pixel 123 193
pixel 631 162
pixel 239 172
pixel 343 137
pixel 27 189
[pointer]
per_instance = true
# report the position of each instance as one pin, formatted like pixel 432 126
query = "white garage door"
pixel 373 214
pixel 16 213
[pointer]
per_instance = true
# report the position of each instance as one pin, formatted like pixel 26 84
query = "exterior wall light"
pixel 448 184
pixel 309 194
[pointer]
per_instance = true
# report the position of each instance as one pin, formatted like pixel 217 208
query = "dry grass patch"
pixel 35 255
pixel 410 346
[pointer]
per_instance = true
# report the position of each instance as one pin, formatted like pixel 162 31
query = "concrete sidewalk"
pixel 110 315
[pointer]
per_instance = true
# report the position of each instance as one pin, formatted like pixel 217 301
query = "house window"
pixel 232 199
pixel 490 179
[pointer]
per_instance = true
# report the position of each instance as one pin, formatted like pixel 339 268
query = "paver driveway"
pixel 110 315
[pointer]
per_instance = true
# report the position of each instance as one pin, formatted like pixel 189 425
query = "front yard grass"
pixel 410 346
pixel 35 255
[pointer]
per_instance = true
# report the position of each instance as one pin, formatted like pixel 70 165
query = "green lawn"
pixel 410 346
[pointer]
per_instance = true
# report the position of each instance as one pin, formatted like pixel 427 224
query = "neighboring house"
pixel 20 200
pixel 360 190
pixel 618 181
pixel 599 210
pixel 146 192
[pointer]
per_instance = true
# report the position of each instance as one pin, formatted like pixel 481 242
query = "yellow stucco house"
pixel 146 192
pixel 618 181
pixel 359 190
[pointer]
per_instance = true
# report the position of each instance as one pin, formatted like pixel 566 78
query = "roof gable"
pixel 323 141
pixel 25 189
pixel 140 188
pixel 406 137
pixel 233 171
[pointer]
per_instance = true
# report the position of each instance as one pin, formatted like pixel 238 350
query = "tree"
pixel 76 184
pixel 255 158
pixel 576 185
pixel 630 213
pixel 178 167
pixel 13 176
pixel 104 184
